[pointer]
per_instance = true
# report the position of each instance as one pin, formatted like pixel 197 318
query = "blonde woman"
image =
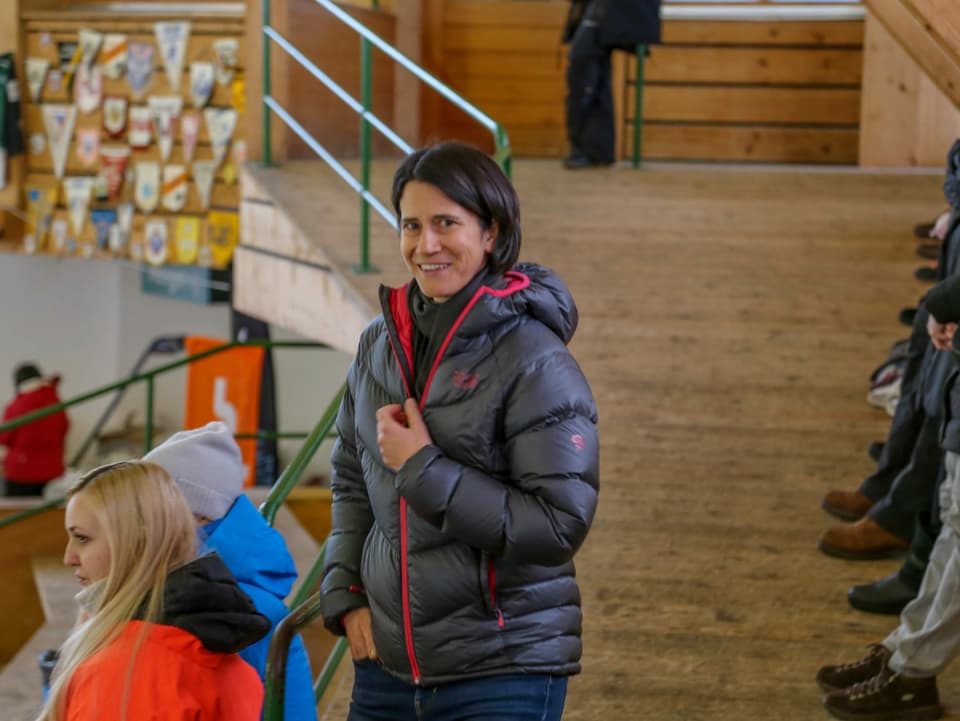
pixel 160 627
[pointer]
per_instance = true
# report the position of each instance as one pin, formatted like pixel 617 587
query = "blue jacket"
pixel 257 556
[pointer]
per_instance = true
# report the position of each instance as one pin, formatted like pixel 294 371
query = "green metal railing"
pixel 149 378
pixel 368 40
pixel 306 607
pixel 638 106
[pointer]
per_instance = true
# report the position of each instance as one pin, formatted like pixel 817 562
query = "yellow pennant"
pixel 222 232
pixel 188 239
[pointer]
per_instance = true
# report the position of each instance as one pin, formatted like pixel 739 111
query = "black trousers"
pixel 911 462
pixel 589 109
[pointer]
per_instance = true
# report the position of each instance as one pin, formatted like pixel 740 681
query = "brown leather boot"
pixel 846 505
pixel 864 540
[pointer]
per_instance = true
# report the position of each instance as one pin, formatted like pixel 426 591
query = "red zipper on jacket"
pixel 404 565
pixel 519 281
pixel 492 580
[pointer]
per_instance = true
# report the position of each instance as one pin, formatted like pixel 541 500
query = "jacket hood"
pixel 548 299
pixel 254 552
pixel 203 599
pixel 528 289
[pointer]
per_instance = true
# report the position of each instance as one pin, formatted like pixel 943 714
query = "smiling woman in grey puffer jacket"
pixel 465 476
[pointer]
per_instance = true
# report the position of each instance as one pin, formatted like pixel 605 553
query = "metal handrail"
pixel 306 607
pixel 502 153
pixel 291 474
pixel 149 377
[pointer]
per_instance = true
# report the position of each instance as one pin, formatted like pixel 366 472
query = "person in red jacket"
pixel 34 450
pixel 159 629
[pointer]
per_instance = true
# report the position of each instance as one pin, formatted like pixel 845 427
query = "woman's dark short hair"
pixel 472 179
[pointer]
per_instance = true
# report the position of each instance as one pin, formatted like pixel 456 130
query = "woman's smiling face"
pixel 443 244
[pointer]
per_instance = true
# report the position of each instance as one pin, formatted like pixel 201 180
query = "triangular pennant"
pixel 58 235
pixel 225 51
pixel 221 123
pixel 58 121
pixel 113 160
pixel 164 109
pixel 174 187
pixel 189 132
pixel 36 69
pixel 172 40
pixel 203 175
pixel 88 88
pixel 116 239
pixel 69 52
pixel 88 146
pixel 41 200
pixel 155 241
pixel 222 233
pixel 114 55
pixel 139 67
pixel 120 233
pixel 103 219
pixel 78 192
pixel 147 187
pixel 114 115
pixel 140 127
pixel 201 83
pixel 90 41
pixel 187 239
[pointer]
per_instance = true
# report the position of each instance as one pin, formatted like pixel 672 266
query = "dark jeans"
pixel 924 536
pixel 18 490
pixel 908 467
pixel 907 472
pixel 378 696
pixel 590 122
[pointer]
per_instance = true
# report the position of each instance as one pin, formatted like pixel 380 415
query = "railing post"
pixel 148 421
pixel 638 106
pixel 366 91
pixel 267 154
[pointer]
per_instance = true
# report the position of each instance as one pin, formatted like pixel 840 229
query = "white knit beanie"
pixel 206 464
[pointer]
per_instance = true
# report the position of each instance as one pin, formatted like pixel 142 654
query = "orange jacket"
pixel 173 678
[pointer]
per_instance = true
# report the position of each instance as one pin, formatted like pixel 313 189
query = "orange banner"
pixel 226 387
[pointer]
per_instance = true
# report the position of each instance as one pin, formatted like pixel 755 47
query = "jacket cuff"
pixel 337 604
pixel 415 465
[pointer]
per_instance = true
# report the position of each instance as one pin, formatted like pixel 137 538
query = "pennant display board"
pixel 135 133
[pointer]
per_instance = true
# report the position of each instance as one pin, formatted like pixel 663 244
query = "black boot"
pixel 888 595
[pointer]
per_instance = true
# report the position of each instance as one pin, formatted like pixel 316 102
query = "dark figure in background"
pixel 594 29
pixel 34 450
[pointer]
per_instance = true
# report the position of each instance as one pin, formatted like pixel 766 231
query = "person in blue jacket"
pixel 206 464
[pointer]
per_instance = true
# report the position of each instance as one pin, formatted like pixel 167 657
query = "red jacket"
pixel 174 678
pixel 35 450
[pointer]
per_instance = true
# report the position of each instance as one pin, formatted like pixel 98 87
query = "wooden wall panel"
pixel 336 50
pixel 715 90
pixel 906 120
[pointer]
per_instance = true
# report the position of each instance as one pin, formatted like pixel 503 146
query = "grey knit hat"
pixel 206 464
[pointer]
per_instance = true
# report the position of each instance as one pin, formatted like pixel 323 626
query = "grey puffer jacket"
pixel 465 556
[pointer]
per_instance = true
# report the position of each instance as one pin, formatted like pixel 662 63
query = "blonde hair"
pixel 150 531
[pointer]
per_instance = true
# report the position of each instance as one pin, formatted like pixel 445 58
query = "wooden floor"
pixel 729 320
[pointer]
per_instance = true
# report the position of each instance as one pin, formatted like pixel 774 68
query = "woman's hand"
pixel 360 634
pixel 941 334
pixel 401 432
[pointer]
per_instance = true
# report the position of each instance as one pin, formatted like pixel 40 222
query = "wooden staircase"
pixel 929 31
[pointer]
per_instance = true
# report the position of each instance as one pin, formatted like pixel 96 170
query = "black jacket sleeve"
pixel 542 513
pixel 943 300
pixel 341 583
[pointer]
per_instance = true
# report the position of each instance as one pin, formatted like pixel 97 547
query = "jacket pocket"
pixel 488 588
